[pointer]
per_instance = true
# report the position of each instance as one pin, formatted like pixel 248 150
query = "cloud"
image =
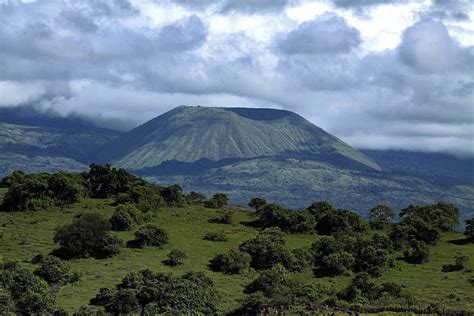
pixel 450 10
pixel 360 4
pixel 111 62
pixel 427 47
pixel 254 6
pixel 327 34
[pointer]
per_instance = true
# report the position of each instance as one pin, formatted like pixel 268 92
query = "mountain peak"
pixel 191 133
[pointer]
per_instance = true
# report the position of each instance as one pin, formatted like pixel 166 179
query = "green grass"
pixel 23 235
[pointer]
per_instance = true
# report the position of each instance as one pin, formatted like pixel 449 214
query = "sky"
pixel 378 74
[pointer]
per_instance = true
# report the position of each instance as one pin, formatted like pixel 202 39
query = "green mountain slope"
pixel 189 134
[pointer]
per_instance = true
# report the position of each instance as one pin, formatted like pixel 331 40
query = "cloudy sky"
pixel 376 73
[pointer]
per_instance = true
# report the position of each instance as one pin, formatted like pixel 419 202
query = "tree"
pixel 87 236
pixel 459 263
pixel 125 217
pixel 340 222
pixel 55 271
pixel 173 195
pixel 442 216
pixel 257 204
pixel 418 252
pixel 232 262
pixel 176 257
pixel 267 249
pixel 380 216
pixel 152 236
pixel 469 230
pixel 218 200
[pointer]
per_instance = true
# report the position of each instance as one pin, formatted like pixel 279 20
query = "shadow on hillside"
pixel 459 242
pixel 133 244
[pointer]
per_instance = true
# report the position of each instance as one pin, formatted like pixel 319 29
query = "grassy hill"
pixel 26 234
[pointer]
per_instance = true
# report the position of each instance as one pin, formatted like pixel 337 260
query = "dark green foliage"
pixel 380 216
pixel 89 310
pixel 218 200
pixel 150 236
pixel 267 249
pixel 297 260
pixel 272 215
pixel 275 285
pixel 363 290
pixel 156 293
pixel 196 198
pixel 175 258
pixel 126 217
pixel 319 209
pixel 469 230
pixel 25 293
pixel 232 262
pixel 458 265
pixel 38 191
pixel 442 216
pixel 15 178
pixel 146 197
pixel 215 236
pixel 104 181
pixel 225 218
pixel 257 204
pixel 369 258
pixel 173 195
pixel 56 271
pixel 340 222
pixel 417 252
pixel 330 258
pixel 87 236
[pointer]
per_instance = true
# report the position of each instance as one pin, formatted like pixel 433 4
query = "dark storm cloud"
pixel 328 34
pixel 184 34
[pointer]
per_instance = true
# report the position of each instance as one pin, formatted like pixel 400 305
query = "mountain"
pixel 189 134
pixel 281 156
pixel 35 141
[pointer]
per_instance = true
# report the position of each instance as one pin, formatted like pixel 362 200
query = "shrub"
pixel 442 216
pixel 218 200
pixel 297 260
pixel 196 198
pixel 232 262
pixel 257 204
pixel 380 216
pixel 157 293
pixel 267 249
pixel 459 262
pixel 152 236
pixel 340 222
pixel 125 217
pixel 225 218
pixel 175 258
pixel 215 236
pixel 25 292
pixel 56 271
pixel 334 264
pixel 368 258
pixel 87 236
pixel 417 253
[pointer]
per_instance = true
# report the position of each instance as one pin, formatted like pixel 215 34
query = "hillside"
pixel 27 237
pixel 189 134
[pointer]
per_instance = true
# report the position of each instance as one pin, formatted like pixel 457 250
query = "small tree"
pixel 150 235
pixel 469 230
pixel 175 258
pixel 380 216
pixel 87 236
pixel 232 262
pixel 257 204
pixel 125 217
pixel 417 253
pixel 459 262
pixel 218 200
pixel 55 271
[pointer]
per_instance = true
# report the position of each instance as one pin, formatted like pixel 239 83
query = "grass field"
pixel 24 235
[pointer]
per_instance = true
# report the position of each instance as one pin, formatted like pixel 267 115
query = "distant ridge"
pixel 189 134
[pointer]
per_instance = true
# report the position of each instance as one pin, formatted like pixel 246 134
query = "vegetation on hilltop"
pixel 106 223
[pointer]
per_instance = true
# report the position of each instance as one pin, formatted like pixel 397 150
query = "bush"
pixel 25 292
pixel 215 236
pixel 196 198
pixel 340 222
pixel 257 204
pixel 87 236
pixel 267 249
pixel 126 217
pixel 218 200
pixel 459 262
pixel 334 264
pixel 380 216
pixel 56 271
pixel 233 262
pixel 157 293
pixel 175 258
pixel 151 236
pixel 417 253
pixel 225 218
